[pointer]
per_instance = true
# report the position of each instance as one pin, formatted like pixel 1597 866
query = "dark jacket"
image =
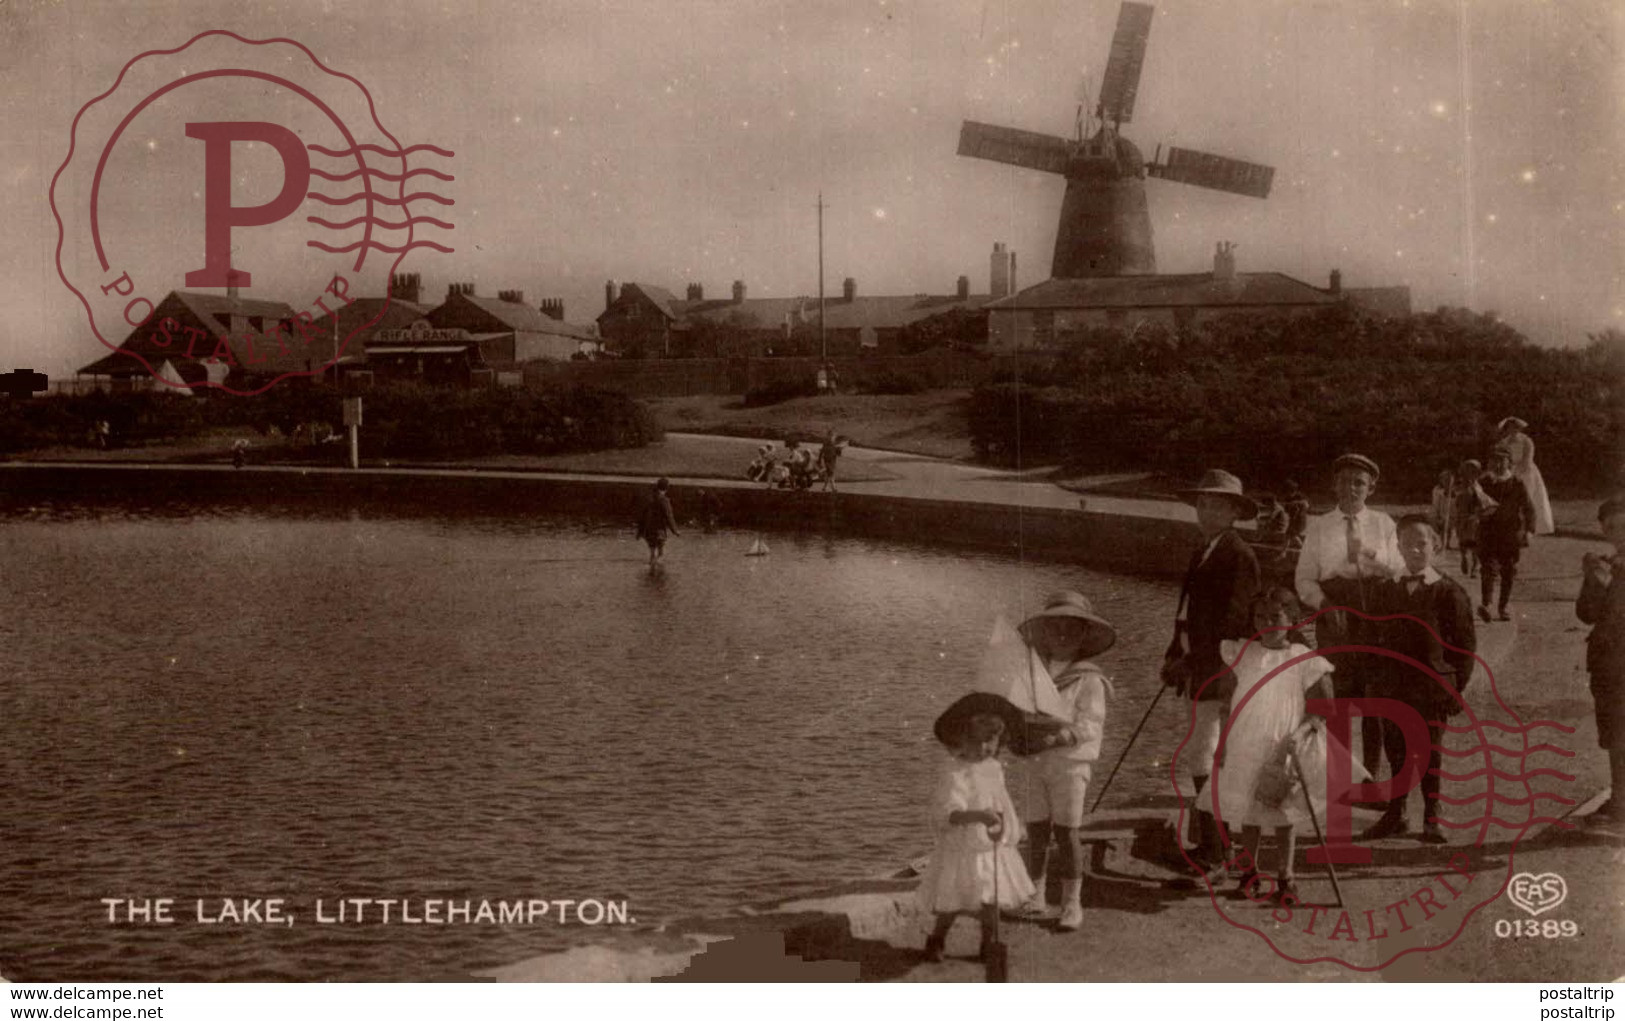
pixel 1217 595
pixel 1504 527
pixel 1445 608
pixel 1603 607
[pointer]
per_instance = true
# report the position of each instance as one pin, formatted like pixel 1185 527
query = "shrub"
pixel 891 381
pixel 780 390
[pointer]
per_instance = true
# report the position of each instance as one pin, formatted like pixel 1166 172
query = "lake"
pixel 216 702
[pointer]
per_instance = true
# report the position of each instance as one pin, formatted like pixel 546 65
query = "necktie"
pixel 1352 535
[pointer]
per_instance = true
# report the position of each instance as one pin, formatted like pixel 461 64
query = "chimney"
pixel 232 276
pixel 1337 281
pixel 962 289
pixel 612 290
pixel 1003 281
pixel 553 308
pixel 464 289
pixel 849 289
pixel 739 291
pixel 696 292
pixel 406 286
pixel 1224 261
pixel 512 297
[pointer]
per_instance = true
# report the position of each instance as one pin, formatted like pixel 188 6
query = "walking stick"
pixel 1113 775
pixel 995 955
pixel 1292 753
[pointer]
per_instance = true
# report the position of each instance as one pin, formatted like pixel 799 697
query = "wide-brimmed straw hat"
pixel 1512 420
pixel 951 724
pixel 1357 461
pixel 1218 482
pixel 1099 634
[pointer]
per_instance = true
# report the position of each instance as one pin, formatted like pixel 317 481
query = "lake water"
pixel 216 702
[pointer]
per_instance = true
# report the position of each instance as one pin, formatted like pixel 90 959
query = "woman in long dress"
pixel 1517 443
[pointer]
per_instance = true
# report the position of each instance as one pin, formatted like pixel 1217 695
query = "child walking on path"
pixel 1257 785
pixel 1469 506
pixel 1064 636
pixel 975 821
pixel 1502 533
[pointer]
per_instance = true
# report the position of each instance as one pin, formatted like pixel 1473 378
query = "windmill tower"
pixel 1105 227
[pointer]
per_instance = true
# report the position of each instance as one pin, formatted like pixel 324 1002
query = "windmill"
pixel 1105 227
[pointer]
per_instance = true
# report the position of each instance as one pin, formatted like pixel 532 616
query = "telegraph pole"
pixel 823 344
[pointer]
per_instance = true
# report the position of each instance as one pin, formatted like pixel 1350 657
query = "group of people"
pixel 798 467
pixel 1233 636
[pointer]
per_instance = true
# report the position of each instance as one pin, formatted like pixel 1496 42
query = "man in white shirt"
pixel 1346 551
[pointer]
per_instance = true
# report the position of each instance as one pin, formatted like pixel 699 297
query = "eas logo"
pixel 213 221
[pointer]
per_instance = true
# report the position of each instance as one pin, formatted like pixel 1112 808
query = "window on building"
pixel 633 310
pixel 1044 327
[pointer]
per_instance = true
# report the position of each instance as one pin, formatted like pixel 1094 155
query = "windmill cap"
pixel 1218 482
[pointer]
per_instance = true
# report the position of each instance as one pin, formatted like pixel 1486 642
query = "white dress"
pixel 959 876
pixel 1255 783
pixel 1522 450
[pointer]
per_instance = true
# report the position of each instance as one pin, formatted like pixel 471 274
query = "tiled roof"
pixel 878 312
pixel 200 309
pixel 661 298
pixel 1167 290
pixel 523 318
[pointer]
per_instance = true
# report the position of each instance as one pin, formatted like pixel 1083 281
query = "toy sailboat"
pixel 757 548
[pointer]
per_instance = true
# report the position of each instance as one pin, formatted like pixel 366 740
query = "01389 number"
pixel 1551 928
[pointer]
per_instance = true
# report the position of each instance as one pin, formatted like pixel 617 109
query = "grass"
pixel 932 423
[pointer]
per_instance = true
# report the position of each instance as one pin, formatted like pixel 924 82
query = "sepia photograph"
pixel 713 491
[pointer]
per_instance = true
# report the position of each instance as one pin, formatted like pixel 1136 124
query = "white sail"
pixel 757 549
pixel 1011 669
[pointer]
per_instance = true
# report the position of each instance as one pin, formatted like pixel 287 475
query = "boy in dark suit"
pixel 1215 605
pixel 1439 603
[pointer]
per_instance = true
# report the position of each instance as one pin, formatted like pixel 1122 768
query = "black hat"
pixel 978 703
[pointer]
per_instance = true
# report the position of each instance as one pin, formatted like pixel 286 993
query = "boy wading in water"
pixel 655 521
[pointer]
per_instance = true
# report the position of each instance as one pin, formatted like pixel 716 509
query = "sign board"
pixel 23 383
pixel 352 412
pixel 420 332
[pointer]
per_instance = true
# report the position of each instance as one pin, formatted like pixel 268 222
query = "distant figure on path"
pixel 828 455
pixel 1469 508
pixel 1214 606
pixel 1346 551
pixel 1297 512
pixel 655 520
pixel 1521 449
pixel 1602 605
pixel 1503 531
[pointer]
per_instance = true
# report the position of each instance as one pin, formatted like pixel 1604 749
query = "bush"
pixel 891 381
pixel 1273 399
pixel 780 390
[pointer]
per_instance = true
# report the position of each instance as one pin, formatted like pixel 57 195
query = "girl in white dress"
pixel 975 821
pixel 1257 785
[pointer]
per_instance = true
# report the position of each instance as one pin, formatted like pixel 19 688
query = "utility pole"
pixel 823 344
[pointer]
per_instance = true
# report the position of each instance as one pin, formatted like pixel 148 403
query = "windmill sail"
pixel 1122 80
pixel 1009 668
pixel 1221 173
pixel 1012 145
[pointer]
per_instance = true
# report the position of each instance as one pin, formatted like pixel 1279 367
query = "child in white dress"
pixel 975 821
pixel 1257 784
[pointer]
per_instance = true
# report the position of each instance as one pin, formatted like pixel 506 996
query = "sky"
pixel 1469 150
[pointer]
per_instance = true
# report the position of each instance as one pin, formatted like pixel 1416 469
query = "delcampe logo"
pixel 251 182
